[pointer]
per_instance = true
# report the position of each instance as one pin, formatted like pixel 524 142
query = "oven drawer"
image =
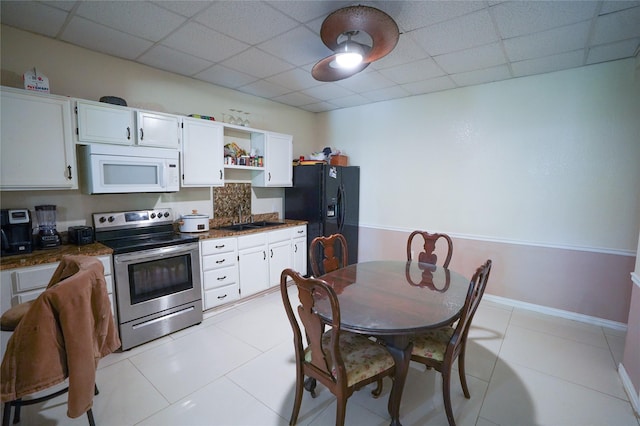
pixel 218 296
pixel 218 261
pixel 220 277
pixel 221 245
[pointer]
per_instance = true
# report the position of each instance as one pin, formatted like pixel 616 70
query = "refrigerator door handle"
pixel 341 209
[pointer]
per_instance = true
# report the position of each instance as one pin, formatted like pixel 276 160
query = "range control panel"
pixel 132 219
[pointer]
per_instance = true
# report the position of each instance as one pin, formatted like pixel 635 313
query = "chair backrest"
pixel 474 295
pixel 328 366
pixel 430 240
pixel 327 254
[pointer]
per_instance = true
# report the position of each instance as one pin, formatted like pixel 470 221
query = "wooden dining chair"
pixel 342 361
pixel 429 247
pixel 326 254
pixel 438 349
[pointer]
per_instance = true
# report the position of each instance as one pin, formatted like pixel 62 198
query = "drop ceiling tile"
pixel 351 101
pixel 249 21
pixel 61 4
pixel 413 71
pixel 327 91
pixel 617 26
pixel 365 81
pixel 296 99
pixel 185 8
pixel 518 18
pixel 167 59
pixel 203 42
pixel 264 89
pixel 613 51
pixel 558 40
pixel 548 64
pixel 225 77
pixel 501 72
pixel 32 16
pixel 614 6
pixel 296 79
pixel 318 107
pixel 475 29
pixel 257 63
pixel 429 86
pixel 305 11
pixel 407 50
pixel 472 59
pixel 99 38
pixel 142 19
pixel 393 92
pixel 299 46
pixel 418 14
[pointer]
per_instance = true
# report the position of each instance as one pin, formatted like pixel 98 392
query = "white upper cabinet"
pixel 157 129
pixel 99 122
pixel 202 152
pixel 278 157
pixel 104 123
pixel 36 142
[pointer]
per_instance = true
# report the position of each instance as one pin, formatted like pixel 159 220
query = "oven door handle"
pixel 156 253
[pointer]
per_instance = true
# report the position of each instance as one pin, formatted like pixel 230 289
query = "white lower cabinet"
pixel 280 257
pixel 220 282
pixel 299 249
pixel 253 263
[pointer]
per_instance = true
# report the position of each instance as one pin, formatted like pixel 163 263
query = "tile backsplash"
pixel 229 198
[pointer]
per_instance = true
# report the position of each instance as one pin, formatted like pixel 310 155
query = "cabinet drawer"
pixel 253 240
pixel 218 261
pixel 25 297
pixel 221 295
pixel 218 246
pixel 299 231
pixel 220 277
pixel 33 278
pixel 279 235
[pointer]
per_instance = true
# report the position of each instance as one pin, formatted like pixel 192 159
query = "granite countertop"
pixel 52 255
pixel 222 233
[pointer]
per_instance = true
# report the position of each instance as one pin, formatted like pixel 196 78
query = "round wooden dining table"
pixel 393 300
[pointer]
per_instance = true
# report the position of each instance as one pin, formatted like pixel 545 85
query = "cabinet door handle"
pixel 128 133
pixel 220 261
pixel 295 250
pixel 264 255
pixel 141 134
pixel 271 253
pixel 220 174
pixel 269 176
pixel 69 169
pixel 222 278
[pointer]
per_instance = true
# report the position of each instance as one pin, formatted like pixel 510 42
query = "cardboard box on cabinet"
pixel 339 160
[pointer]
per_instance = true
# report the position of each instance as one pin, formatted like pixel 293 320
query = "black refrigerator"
pixel 327 197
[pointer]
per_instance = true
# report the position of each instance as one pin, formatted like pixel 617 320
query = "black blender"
pixel 47 236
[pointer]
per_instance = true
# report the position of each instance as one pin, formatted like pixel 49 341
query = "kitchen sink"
pixel 249 225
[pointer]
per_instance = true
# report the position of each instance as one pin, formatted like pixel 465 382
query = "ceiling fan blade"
pixel 323 71
pixel 382 29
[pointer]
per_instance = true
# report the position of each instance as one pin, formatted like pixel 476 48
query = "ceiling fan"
pixel 358 35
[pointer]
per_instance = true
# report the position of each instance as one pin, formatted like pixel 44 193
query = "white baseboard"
pixel 634 398
pixel 558 312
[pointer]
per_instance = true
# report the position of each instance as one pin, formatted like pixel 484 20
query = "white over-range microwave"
pixel 112 169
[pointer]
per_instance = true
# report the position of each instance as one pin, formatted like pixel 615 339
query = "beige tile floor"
pixel 236 368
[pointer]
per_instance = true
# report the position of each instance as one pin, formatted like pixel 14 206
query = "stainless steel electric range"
pixel 156 273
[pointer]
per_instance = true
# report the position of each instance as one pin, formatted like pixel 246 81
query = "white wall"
pixel 551 159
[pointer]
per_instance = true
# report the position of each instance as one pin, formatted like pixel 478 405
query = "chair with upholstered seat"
pixel 326 254
pixel 342 361
pixel 439 349
pixel 428 254
pixel 61 335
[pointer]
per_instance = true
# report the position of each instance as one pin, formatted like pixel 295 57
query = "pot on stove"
pixel 194 222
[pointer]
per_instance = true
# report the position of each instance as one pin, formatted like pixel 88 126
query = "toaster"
pixel 80 235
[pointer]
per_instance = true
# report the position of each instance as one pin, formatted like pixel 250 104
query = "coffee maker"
pixel 16 231
pixel 48 236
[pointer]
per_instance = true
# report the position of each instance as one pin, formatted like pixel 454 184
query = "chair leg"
pixel 463 375
pixel 341 411
pixel 298 398
pixel 17 410
pixel 90 417
pixel 6 413
pixel 446 394
pixel 378 390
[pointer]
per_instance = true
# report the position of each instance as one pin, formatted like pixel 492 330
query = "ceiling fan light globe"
pixel 348 60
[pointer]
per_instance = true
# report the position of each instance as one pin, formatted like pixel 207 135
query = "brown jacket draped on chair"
pixel 64 334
